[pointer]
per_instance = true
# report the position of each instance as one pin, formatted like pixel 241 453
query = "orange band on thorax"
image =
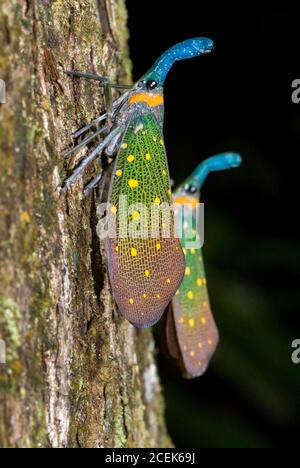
pixel 152 100
pixel 185 200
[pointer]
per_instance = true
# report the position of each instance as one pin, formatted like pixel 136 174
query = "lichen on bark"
pixel 77 375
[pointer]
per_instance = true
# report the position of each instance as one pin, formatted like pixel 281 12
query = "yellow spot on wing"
pixel 148 156
pixel 147 273
pixel 157 201
pixel 158 247
pixel 192 353
pixel 119 173
pixel 138 128
pixel 24 217
pixel 133 183
pixel 203 320
pixel 191 323
pixel 114 209
pixel 164 172
pixel 136 216
pixel 145 296
pixel 133 252
pixel 187 271
pixel 124 146
pixel 130 158
pixel 168 281
pixel 117 249
pixel 199 282
pixel 190 295
pixel 158 296
pixel 131 301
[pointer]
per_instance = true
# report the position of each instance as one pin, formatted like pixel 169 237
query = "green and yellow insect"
pixel 146 266
pixel 192 335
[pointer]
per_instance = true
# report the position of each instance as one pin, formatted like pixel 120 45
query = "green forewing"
pixel 143 141
pixel 197 333
pixel 145 272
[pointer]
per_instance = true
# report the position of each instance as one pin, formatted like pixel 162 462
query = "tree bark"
pixel 76 373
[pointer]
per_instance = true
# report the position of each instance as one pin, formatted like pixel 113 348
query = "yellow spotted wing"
pixel 145 259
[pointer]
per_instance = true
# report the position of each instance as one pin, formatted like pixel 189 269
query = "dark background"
pixel 237 98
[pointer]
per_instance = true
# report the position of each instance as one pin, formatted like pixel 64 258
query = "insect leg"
pixel 106 84
pixel 91 76
pixel 108 97
pixel 94 182
pixel 102 117
pixel 111 148
pixel 91 124
pixel 86 141
pixel 86 161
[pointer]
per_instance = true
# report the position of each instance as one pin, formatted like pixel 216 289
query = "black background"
pixel 237 98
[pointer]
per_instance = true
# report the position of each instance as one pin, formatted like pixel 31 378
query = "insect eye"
pixel 151 84
pixel 191 189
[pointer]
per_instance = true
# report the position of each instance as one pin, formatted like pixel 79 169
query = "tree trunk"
pixel 76 374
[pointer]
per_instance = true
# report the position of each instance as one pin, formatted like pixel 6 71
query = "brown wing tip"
pixel 142 316
pixel 196 364
pixel 143 301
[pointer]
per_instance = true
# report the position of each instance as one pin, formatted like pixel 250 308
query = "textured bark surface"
pixel 76 375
